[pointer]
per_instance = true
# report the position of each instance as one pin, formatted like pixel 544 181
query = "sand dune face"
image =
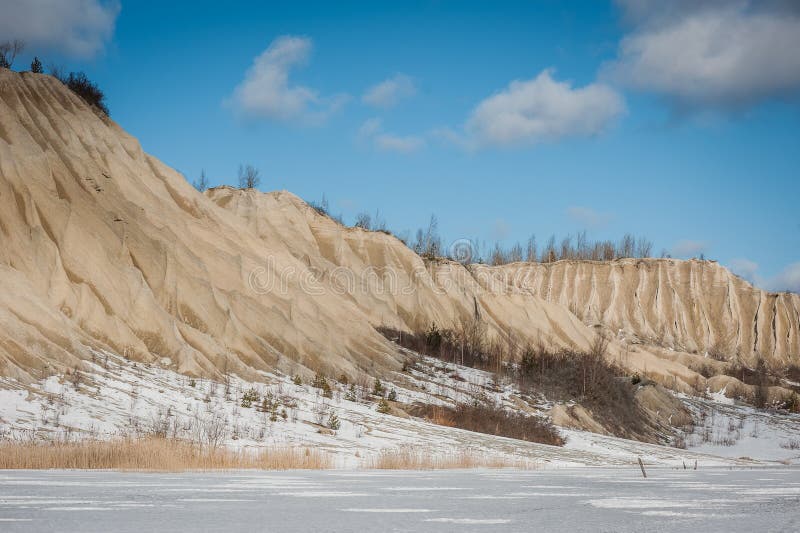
pixel 103 245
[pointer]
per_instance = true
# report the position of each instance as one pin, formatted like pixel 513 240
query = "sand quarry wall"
pixel 104 245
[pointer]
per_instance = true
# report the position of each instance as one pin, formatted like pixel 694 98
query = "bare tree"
pixel 9 51
pixel 201 184
pixel 549 253
pixel 530 253
pixel 363 221
pixel 626 246
pixel 248 177
pixel 644 248
pixel 498 255
pixel 428 242
pixel 566 248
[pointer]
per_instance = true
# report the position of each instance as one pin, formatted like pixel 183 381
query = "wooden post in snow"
pixel 641 465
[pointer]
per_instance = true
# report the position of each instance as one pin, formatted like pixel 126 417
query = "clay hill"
pixel 105 246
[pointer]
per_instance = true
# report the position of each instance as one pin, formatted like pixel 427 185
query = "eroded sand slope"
pixel 103 245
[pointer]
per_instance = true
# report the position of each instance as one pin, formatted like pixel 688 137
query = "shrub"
pixel 792 403
pixel 350 395
pixel 333 422
pixel 78 83
pixel 588 377
pixel 392 395
pixel 192 383
pixel 36 66
pixel 297 380
pixel 383 406
pixel 321 383
pixel 493 419
pixel 377 388
pixel 363 221
pixel 250 396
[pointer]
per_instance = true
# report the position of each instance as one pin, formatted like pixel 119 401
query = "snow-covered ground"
pixel 114 397
pixel 727 429
pixel 574 500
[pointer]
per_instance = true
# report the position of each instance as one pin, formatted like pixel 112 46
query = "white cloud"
pixel 689 248
pixel 542 109
pixel 398 143
pixel 372 131
pixel 710 53
pixel 389 92
pixel 745 268
pixel 79 28
pixel 787 279
pixel 588 217
pixel 266 91
pixel 370 128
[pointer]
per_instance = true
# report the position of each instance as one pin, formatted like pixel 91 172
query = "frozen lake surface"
pixel 587 499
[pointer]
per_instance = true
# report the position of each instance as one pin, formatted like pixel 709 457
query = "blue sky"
pixel 679 123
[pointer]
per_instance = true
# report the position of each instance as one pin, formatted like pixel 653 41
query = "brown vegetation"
pixel 566 375
pixel 492 420
pixel 152 454
pixel 407 458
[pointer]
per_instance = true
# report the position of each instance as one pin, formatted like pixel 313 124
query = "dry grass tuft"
pixel 153 454
pixel 406 458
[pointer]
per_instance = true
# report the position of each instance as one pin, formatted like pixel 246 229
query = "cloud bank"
pixel 79 28
pixel 717 54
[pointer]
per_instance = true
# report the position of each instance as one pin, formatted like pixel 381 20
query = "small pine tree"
pixel 333 422
pixel 250 396
pixel 319 381
pixel 383 407
pixel 284 414
pixel 192 383
pixel 273 414
pixel 266 405
pixel 350 395
pixel 377 388
pixel 297 381
pixel 36 66
pixel 392 395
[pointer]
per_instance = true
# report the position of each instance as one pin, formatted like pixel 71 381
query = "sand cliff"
pixel 104 245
